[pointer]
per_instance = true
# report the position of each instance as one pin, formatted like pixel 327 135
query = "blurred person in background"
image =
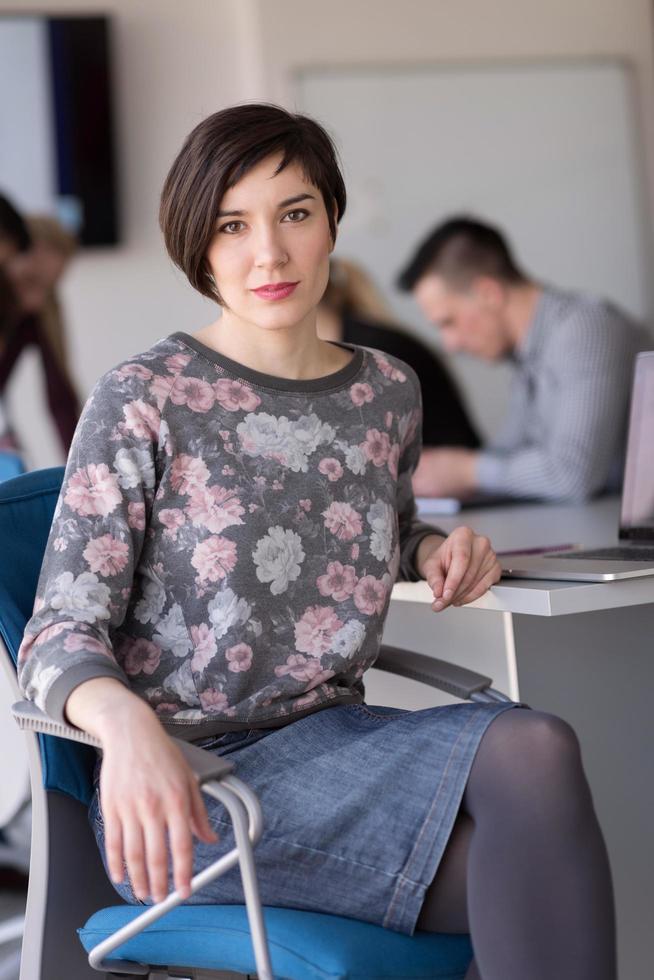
pixel 353 310
pixel 34 254
pixel 572 354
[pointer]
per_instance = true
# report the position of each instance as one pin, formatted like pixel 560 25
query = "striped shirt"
pixel 564 436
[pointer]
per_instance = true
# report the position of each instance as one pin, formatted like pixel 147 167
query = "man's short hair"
pixel 460 250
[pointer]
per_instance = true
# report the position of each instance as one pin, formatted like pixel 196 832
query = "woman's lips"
pixel 275 290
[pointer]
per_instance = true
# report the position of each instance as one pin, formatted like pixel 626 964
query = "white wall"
pixel 175 62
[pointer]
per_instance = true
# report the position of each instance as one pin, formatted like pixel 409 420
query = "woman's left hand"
pixel 460 569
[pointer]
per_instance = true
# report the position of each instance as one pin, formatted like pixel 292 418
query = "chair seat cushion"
pixel 303 945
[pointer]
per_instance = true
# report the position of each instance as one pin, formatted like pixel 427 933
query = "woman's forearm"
pixel 103 706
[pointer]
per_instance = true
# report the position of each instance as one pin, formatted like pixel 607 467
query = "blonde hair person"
pixel 353 310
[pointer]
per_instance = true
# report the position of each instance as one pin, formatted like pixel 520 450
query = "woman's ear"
pixel 335 235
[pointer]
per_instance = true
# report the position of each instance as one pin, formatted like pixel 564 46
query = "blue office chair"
pixel 11 465
pixel 68 884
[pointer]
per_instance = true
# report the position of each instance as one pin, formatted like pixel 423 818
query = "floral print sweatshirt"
pixel 226 541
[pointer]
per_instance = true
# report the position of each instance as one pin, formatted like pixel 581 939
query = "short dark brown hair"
pixel 217 154
pixel 459 250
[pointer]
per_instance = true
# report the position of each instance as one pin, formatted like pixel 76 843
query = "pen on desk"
pixel 537 551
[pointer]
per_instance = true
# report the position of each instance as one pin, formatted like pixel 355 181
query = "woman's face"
pixel 270 252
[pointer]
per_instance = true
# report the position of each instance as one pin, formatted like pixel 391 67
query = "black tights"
pixel 525 871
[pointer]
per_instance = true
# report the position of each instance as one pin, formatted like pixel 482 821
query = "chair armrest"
pixel 451 678
pixel 205 765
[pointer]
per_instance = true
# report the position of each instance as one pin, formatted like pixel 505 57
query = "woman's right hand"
pixel 150 797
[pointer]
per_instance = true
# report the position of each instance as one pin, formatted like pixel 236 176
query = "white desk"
pixel 582 651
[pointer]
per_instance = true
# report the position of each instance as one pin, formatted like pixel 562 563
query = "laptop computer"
pixel 634 555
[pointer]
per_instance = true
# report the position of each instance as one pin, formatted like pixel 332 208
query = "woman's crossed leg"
pixel 526 870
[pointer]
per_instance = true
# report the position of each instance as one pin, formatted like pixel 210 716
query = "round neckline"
pixel 327 382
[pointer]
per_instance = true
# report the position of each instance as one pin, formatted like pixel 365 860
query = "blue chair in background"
pixel 69 893
pixel 11 465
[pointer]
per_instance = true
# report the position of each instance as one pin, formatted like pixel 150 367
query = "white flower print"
pixel 278 557
pixel 227 610
pixel 150 606
pixel 381 518
pixel 180 683
pixel 172 634
pixel 290 443
pixel 40 682
pixel 134 466
pixel 347 641
pixel 355 460
pixel 82 598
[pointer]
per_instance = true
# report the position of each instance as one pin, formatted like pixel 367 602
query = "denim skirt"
pixel 358 803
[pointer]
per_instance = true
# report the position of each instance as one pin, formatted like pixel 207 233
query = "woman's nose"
pixel 269 250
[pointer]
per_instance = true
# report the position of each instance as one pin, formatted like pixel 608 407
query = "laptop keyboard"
pixel 634 553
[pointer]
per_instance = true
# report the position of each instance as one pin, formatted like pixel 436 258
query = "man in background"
pixel 573 355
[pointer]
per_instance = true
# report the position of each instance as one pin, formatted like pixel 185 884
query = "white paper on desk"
pixel 438 505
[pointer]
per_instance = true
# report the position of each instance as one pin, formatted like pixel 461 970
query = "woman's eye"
pixel 296 216
pixel 232 227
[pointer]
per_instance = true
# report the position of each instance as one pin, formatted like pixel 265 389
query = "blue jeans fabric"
pixel 358 803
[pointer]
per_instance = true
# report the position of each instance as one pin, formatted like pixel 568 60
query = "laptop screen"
pixel 637 516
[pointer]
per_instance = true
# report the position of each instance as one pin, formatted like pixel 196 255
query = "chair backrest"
pixel 27 505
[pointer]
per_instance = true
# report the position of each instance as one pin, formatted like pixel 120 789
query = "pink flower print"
pixel 342 520
pixel 314 631
pixel 387 369
pixel 306 700
pixel 389 419
pixel 78 641
pixel 134 371
pixel 59 544
pixel 167 708
pixel 354 551
pixel 177 362
pixel 361 393
pixel 305 504
pixel 140 656
pixel 142 419
pixel 50 633
pixel 215 508
pixel 160 389
pixel 172 519
pixel 204 646
pixel 331 468
pixel 214 558
pixel 370 595
pixel 106 555
pixel 376 447
pixel 304 669
pixel 235 396
pixel 93 491
pixel 393 460
pixel 239 657
pixel 188 473
pixel 260 482
pixel 213 701
pixel 276 485
pixel 339 581
pixel 136 516
pixel 196 393
pixel 228 470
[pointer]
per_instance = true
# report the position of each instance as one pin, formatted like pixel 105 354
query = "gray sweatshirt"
pixel 225 542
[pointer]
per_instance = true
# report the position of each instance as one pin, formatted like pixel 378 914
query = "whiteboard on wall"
pixel 548 151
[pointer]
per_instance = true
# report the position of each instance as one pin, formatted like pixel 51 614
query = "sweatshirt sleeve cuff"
pixel 408 571
pixel 64 685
